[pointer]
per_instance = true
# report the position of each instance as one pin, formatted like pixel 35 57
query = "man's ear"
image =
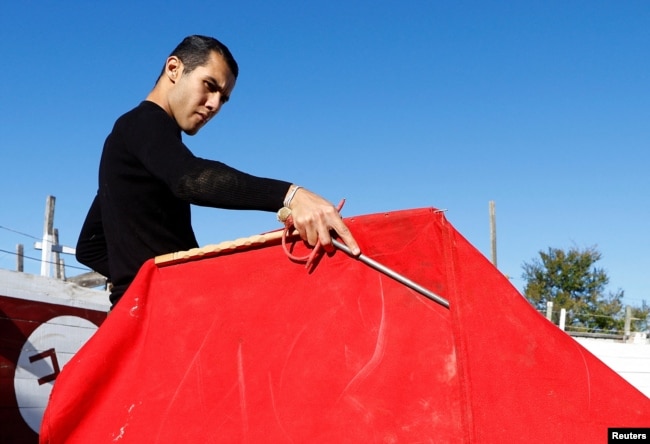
pixel 173 68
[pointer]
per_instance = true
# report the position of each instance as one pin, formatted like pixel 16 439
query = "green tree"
pixel 641 317
pixel 571 281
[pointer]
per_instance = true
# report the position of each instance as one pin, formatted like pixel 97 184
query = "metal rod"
pixel 393 274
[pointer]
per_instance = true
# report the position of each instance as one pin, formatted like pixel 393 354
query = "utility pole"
pixel 50 248
pixel 493 233
pixel 48 236
pixel 59 263
pixel 20 258
pixel 628 323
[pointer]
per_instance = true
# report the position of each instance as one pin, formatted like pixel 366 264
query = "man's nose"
pixel 214 103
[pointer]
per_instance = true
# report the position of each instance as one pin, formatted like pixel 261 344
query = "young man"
pixel 148 178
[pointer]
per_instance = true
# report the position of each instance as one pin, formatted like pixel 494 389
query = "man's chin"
pixel 192 131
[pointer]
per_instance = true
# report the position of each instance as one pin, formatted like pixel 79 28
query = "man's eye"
pixel 211 87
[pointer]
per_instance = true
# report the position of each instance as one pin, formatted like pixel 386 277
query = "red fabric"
pixel 248 347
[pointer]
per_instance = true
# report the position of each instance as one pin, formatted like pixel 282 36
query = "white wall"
pixel 630 360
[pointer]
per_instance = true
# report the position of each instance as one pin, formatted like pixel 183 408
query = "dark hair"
pixel 195 50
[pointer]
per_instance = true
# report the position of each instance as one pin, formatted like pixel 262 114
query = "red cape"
pixel 249 347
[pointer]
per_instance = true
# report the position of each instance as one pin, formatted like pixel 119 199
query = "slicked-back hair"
pixel 195 50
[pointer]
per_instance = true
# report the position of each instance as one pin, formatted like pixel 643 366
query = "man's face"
pixel 198 96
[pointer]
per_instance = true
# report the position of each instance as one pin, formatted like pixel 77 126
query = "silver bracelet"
pixel 289 198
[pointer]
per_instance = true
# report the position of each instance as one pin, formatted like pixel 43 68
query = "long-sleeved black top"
pixel 147 180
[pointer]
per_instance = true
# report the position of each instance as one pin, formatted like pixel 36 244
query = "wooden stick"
pixel 220 248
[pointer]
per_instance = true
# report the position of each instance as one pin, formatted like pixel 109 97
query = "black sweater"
pixel 147 180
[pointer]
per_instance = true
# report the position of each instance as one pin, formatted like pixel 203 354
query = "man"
pixel 148 178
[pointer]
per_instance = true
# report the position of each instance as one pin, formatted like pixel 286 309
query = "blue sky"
pixel 542 107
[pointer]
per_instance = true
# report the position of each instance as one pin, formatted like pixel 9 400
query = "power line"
pixel 19 232
pixel 39 260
